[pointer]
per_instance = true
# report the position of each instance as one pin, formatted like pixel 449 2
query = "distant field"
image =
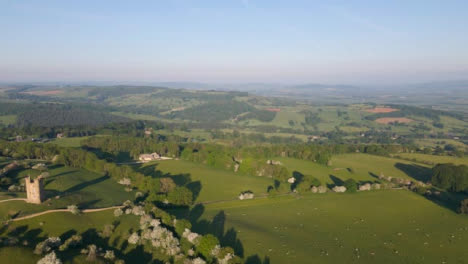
pixel 360 167
pixel 7 119
pixel 216 184
pixel 435 159
pixel 427 142
pixel 74 186
pixel 370 227
pixel 68 141
pixel 48 92
pixel 381 110
pixel 387 120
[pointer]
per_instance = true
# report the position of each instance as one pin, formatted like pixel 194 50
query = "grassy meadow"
pixel 434 159
pixel 368 227
pixel 64 225
pixel 361 167
pixel 71 186
pixel 212 184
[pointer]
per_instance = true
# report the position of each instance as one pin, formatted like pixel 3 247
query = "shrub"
pixel 351 185
pixel 73 209
pixel 118 212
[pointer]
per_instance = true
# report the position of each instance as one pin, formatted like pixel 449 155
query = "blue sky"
pixel 234 41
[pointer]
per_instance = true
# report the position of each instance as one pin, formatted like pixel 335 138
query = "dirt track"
pixel 65 210
pixel 13 199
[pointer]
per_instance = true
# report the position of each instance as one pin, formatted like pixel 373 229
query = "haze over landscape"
pixel 358 42
pixel 233 132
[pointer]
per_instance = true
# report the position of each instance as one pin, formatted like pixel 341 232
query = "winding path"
pixel 65 210
pixel 13 199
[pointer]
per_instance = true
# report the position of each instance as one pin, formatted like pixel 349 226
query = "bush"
pixel 351 185
pixel 73 209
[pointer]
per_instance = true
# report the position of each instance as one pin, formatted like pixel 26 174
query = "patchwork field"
pixel 381 110
pixel 388 120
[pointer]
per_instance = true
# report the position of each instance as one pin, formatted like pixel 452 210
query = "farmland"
pixel 380 226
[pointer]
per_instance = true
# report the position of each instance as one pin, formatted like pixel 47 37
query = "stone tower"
pixel 34 189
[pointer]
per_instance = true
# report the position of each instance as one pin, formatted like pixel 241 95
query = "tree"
pixel 351 185
pixel 180 196
pixel 167 185
pixel 181 225
pixel 206 245
pixel 50 258
pixel 450 177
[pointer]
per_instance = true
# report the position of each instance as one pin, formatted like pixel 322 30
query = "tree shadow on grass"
pixel 18 231
pixel 417 172
pixel 216 227
pixel 299 178
pixel 32 236
pixel 83 185
pixel 195 187
pixel 255 259
pixel 88 204
pixel 447 200
pixel 336 181
pixel 138 255
pixel 51 179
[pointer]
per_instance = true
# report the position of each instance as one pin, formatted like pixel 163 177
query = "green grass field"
pixel 434 159
pixel 74 186
pixel 216 184
pixel 368 227
pixel 65 224
pixel 7 119
pixel 360 167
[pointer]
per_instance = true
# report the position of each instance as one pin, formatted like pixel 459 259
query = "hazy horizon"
pixel 363 43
